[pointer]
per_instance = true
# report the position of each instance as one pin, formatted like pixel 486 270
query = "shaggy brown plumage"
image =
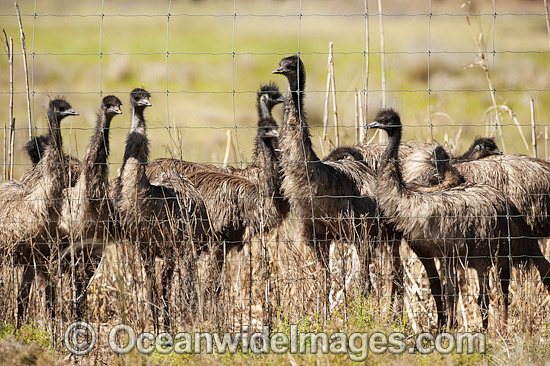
pixel 469 221
pixel 36 149
pixel 331 199
pixel 84 224
pixel 241 203
pixel 440 175
pixel 158 218
pixel 29 213
pixel 524 180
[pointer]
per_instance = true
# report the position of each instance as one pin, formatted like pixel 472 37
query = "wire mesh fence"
pixel 233 211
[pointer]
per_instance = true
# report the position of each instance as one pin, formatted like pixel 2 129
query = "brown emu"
pixel 84 224
pixel 29 213
pixel 482 147
pixel 468 221
pixel 440 175
pixel 36 148
pixel 524 180
pixel 158 218
pixel 344 152
pixel 241 203
pixel 332 199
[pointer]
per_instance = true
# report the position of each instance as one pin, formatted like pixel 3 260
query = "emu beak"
pixel 497 152
pixel 69 112
pixel 272 133
pixel 115 110
pixel 278 70
pixel 144 103
pixel 374 124
pixel 280 100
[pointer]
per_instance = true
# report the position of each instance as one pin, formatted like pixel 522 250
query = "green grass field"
pixel 203 66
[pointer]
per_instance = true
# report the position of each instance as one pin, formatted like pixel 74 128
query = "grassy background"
pixel 193 85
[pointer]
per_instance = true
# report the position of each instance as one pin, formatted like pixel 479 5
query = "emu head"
pixel 483 147
pixel 139 98
pixel 387 120
pixel 291 67
pixel 111 105
pixel 61 109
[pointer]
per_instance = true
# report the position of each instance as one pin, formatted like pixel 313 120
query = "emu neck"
pixel 467 156
pixel 137 144
pixel 295 138
pixel 54 132
pixel 98 151
pixel 389 177
pixel 138 121
pixel 264 111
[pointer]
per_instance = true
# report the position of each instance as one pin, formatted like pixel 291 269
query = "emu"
pixel 85 221
pixel 322 193
pixel 482 147
pixel 35 149
pixel 155 217
pixel 524 180
pixel 440 175
pixel 241 203
pixel 29 213
pixel 467 221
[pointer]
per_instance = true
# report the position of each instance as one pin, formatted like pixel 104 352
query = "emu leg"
pixel 505 285
pixel 543 267
pixel 435 287
pixel 83 277
pixel 483 300
pixel 23 295
pixel 167 275
pixel 450 291
pixel 150 285
pixel 397 274
pixel 50 296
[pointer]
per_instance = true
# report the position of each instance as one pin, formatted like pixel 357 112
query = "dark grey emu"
pixel 161 220
pixel 29 211
pixel 333 199
pixel 471 221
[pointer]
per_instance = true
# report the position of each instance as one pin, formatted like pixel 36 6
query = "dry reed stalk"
pixel 356 120
pixel 9 52
pixel 333 86
pixel 327 96
pixel 381 136
pixel 366 81
pixel 547 16
pixel 483 64
pixel 533 128
pixel 331 90
pixel 227 147
pixel 546 142
pixel 362 124
pixel 382 53
pixel 5 150
pixel 24 51
pixel 323 152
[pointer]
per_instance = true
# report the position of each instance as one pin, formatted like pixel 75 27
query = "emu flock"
pixel 483 209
